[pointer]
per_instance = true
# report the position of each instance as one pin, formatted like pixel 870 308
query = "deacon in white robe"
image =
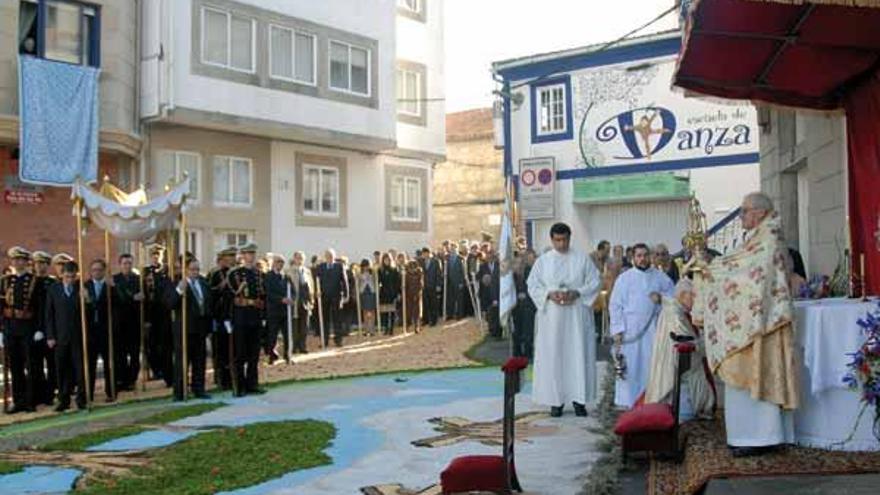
pixel 563 285
pixel 634 310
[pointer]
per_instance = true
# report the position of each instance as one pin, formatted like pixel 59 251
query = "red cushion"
pixel 474 473
pixel 515 364
pixel 649 417
pixel 685 347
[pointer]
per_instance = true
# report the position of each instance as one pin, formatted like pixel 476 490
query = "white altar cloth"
pixel 826 333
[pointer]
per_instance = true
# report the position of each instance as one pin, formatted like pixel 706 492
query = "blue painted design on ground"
pixel 39 479
pixel 152 439
pixel 343 402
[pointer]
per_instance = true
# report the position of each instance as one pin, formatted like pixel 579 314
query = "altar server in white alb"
pixel 563 285
pixel 745 307
pixel 635 306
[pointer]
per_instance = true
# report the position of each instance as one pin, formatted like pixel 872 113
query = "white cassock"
pixel 565 336
pixel 755 423
pixel 634 315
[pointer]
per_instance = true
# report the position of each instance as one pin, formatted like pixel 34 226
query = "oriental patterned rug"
pixel 707 457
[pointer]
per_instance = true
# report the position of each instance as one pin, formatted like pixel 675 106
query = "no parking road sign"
pixel 537 191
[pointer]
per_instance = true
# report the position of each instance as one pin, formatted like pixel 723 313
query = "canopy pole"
pixel 142 303
pixel 110 361
pixel 183 309
pixel 82 305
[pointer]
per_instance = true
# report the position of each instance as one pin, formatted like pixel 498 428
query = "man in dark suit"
pixel 455 280
pixel 127 323
pixel 277 284
pixel 334 289
pixel 98 289
pixel 432 296
pixel 490 292
pixel 198 326
pixel 301 300
pixel 64 336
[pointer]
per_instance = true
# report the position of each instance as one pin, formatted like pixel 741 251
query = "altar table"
pixel 826 332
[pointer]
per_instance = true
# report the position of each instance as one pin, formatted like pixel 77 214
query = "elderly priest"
pixel 745 306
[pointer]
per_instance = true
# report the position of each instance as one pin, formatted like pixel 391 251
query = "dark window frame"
pixel 92 52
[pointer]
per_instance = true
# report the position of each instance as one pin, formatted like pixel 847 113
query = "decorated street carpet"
pixel 707 457
pixel 395 434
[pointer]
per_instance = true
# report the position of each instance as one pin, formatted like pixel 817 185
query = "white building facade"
pixel 625 151
pixel 305 125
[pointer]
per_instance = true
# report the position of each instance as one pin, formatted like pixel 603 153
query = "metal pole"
pixel 320 311
pixel 357 297
pixel 183 309
pixel 110 350
pixel 445 284
pixel 403 294
pixel 82 305
pixel 290 303
pixel 378 302
pixel 143 327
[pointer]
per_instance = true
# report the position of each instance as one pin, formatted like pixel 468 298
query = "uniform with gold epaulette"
pixel 127 328
pixel 247 315
pixel 160 352
pixel 20 311
pixel 221 296
pixel 45 378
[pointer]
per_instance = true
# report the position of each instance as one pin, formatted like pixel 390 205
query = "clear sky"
pixel 479 32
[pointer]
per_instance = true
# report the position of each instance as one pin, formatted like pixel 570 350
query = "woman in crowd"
pixel 389 293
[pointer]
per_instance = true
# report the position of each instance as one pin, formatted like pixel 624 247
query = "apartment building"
pixel 302 124
pixel 100 33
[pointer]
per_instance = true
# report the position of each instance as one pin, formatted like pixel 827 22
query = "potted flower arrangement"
pixel 864 369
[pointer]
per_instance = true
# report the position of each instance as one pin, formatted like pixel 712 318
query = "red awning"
pixel 798 53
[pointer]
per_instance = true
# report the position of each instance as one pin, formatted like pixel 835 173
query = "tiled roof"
pixel 469 125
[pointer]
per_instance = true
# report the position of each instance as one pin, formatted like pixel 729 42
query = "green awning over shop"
pixel 631 188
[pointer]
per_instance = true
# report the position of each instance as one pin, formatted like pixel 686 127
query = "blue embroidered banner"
pixel 58 122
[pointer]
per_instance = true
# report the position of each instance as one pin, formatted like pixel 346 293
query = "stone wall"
pixel 468 189
pixel 812 146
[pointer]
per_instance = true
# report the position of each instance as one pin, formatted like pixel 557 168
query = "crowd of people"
pixel 244 307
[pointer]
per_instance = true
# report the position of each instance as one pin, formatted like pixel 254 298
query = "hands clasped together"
pixel 563 297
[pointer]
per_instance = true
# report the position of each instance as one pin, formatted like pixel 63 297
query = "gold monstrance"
pixel 695 240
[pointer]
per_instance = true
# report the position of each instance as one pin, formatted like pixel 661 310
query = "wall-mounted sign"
pixel 629 116
pixel 14 197
pixel 537 189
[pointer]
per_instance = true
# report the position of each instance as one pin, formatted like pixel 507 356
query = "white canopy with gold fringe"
pixel 131 216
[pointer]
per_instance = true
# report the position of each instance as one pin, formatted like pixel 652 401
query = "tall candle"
pixel 862 275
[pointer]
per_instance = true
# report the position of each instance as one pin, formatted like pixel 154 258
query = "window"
pixel 408 97
pixel 227 238
pixel 174 164
pixel 349 68
pixel 406 199
pixel 60 30
pixel 551 115
pixel 292 55
pixel 320 191
pixel 552 105
pixel 232 181
pixel 228 40
pixel 194 245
